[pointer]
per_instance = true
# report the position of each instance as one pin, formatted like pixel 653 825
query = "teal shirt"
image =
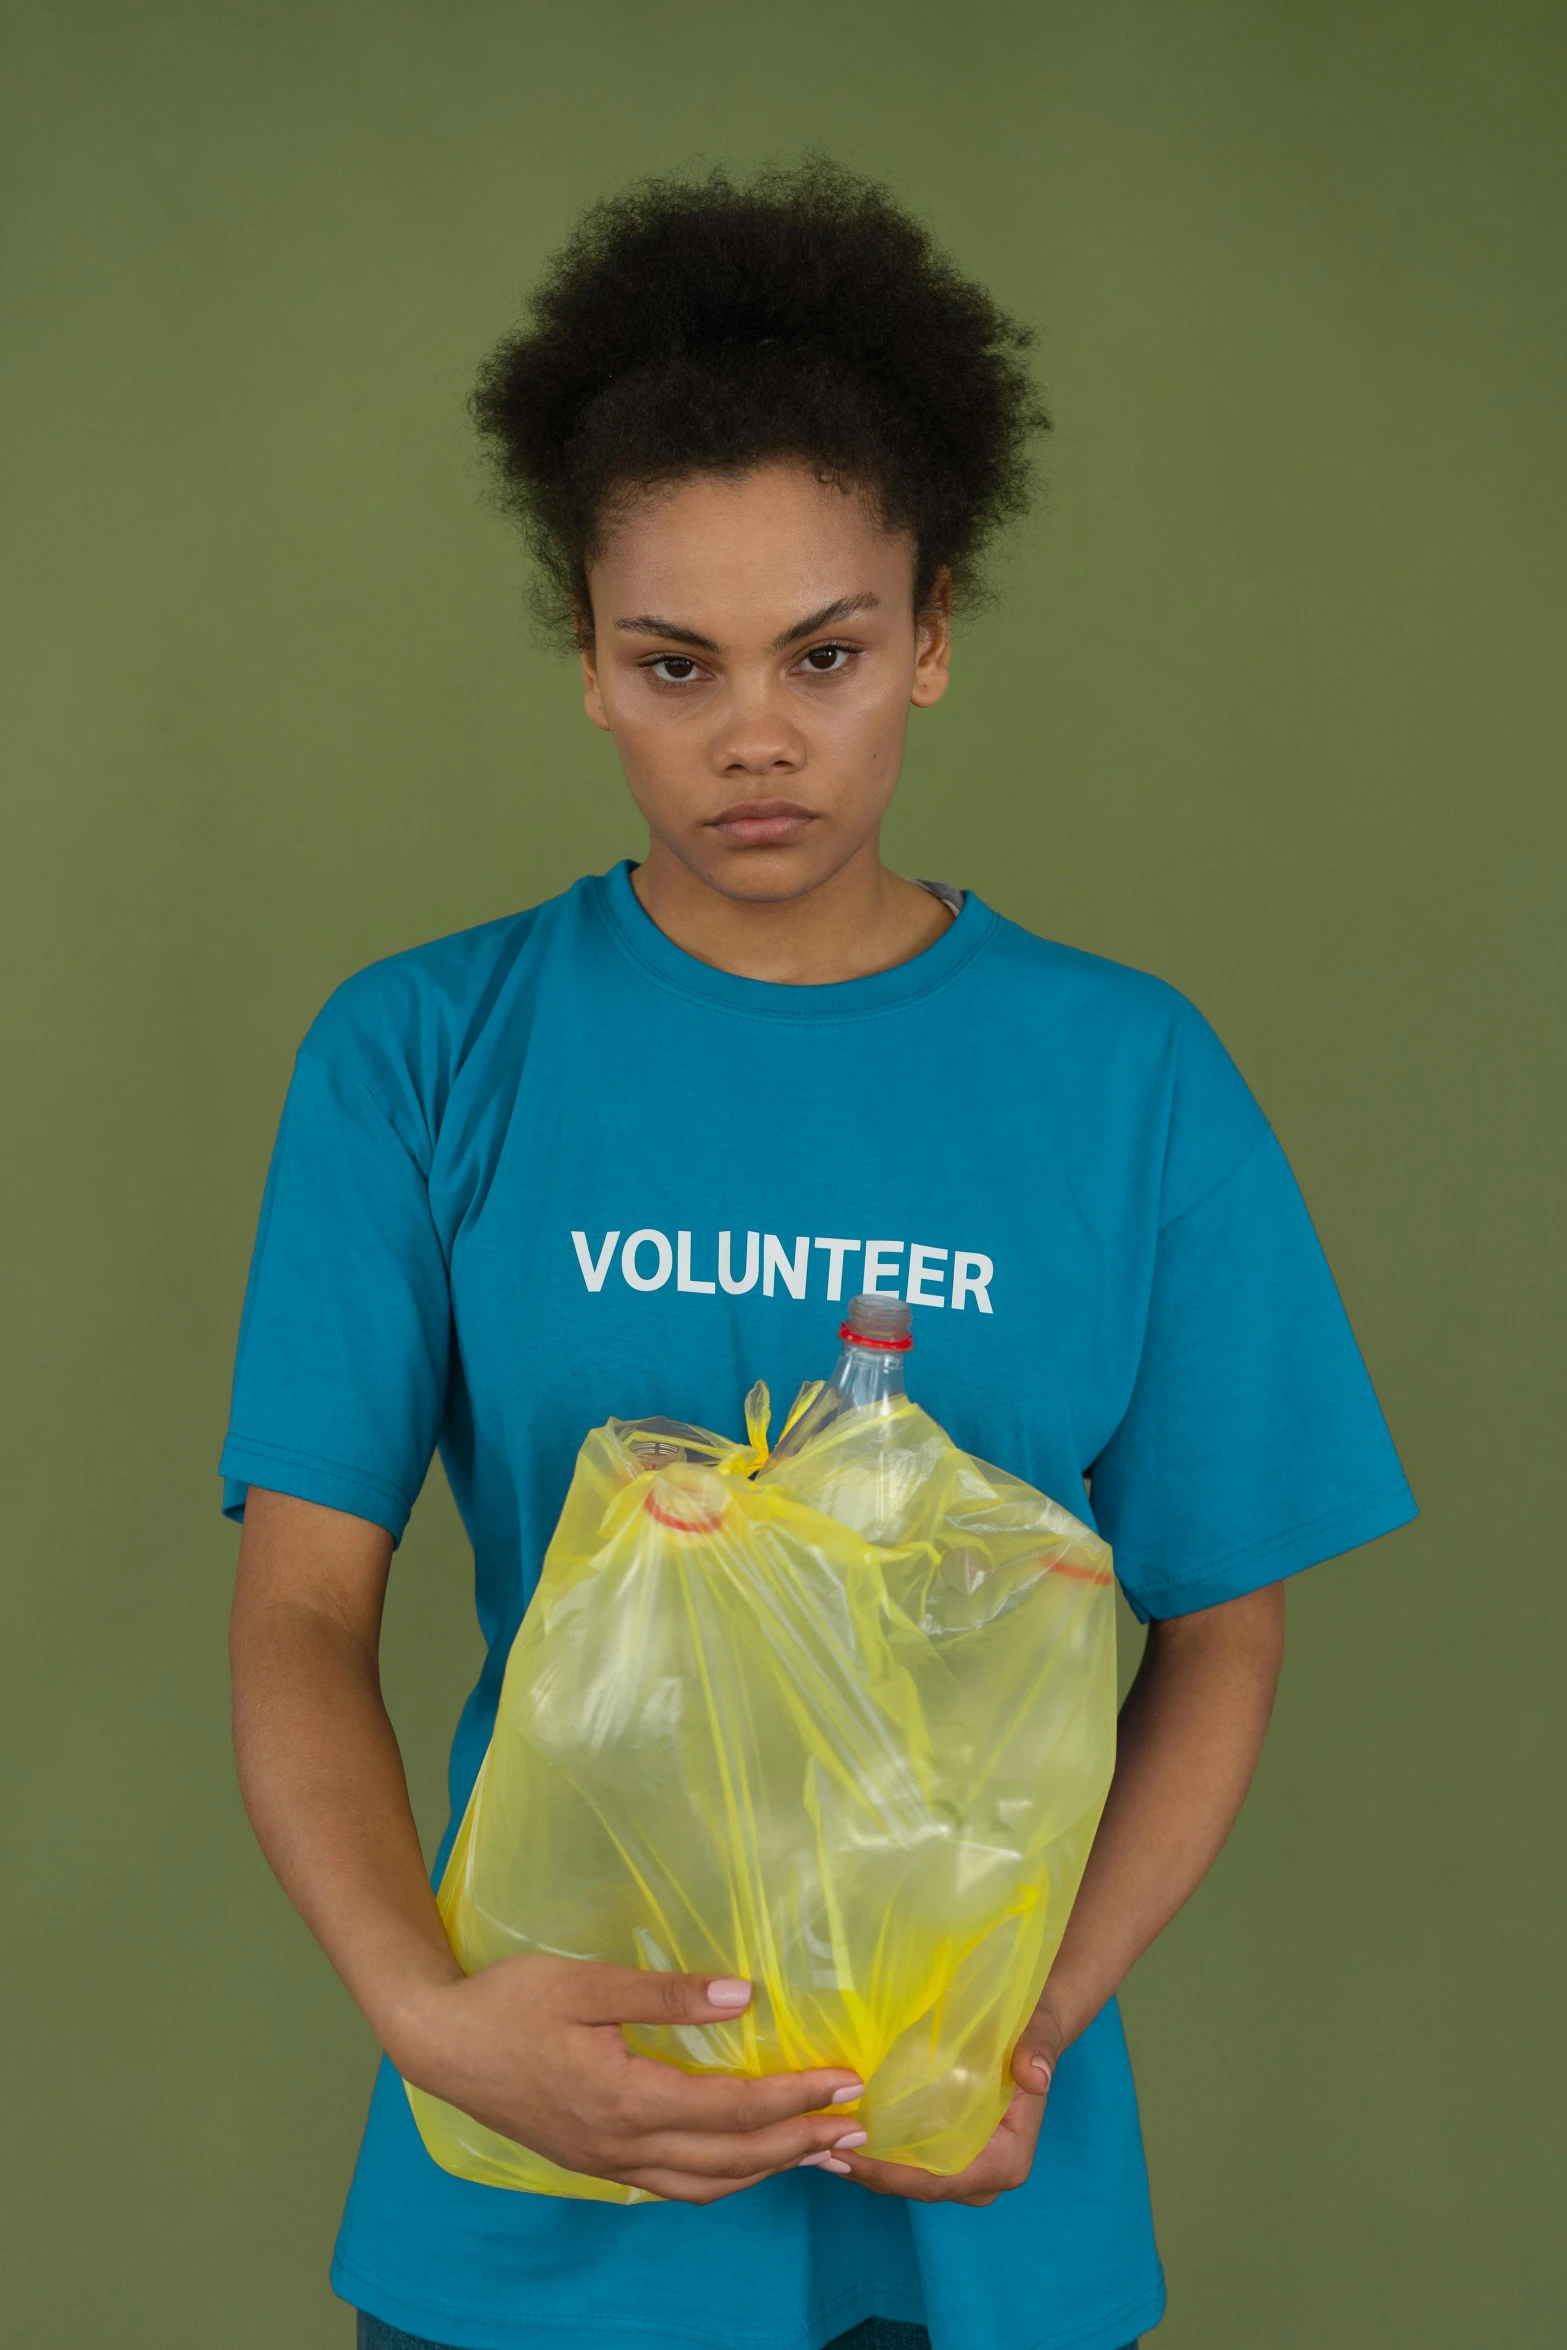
pixel 554 1169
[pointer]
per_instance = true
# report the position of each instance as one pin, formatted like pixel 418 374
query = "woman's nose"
pixel 757 737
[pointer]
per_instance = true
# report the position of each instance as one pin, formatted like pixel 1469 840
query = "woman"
pixel 623 1152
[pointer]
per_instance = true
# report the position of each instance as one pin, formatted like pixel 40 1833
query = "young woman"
pixel 626 1151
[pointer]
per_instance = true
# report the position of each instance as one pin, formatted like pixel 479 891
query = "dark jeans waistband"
pixel 877 2333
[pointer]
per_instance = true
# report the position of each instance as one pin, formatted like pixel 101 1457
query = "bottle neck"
pixel 867 1374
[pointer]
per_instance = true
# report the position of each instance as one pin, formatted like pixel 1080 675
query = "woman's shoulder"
pixel 1075 986
pixel 1123 1039
pixel 422 1007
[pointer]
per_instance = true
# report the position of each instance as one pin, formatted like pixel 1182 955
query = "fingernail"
pixel 1042 2064
pixel 847 2094
pixel 729 1992
pixel 841 2169
pixel 810 2162
pixel 854 2138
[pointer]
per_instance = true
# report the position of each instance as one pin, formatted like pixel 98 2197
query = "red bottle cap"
pixel 883 1322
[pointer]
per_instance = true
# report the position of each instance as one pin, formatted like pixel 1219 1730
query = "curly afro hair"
pixel 703 326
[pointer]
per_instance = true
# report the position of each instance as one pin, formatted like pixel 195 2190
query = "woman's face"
pixel 754 653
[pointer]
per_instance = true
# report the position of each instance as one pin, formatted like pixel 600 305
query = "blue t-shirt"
pixel 555 1169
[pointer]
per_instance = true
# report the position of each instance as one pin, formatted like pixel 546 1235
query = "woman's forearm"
pixel 1190 1733
pixel 319 1766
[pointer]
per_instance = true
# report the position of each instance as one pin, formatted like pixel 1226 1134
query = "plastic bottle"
pixel 869 1373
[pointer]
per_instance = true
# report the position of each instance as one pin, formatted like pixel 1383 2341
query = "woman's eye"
pixel 827 660
pixel 674 668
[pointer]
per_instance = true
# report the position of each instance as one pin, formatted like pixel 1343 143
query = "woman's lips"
pixel 762 824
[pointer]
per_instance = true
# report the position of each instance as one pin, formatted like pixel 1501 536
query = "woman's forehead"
pixel 768 547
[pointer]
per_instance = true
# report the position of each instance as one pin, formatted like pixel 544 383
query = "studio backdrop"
pixel 1266 707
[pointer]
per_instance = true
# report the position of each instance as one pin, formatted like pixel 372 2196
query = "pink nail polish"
pixel 848 2093
pixel 728 1991
pixel 810 2162
pixel 840 2169
pixel 854 2138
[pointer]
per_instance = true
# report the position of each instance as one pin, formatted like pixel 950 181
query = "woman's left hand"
pixel 1006 2158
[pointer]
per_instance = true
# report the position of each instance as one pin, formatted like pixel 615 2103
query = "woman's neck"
pixel 858 920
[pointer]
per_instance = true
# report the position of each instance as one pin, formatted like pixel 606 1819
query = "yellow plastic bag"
pixel 843 1727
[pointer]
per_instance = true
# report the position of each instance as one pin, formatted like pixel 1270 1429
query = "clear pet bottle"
pixel 876 1335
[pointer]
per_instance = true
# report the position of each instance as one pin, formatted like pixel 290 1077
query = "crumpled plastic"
pixel 842 1725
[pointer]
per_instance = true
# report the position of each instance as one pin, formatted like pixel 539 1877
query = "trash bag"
pixel 842 1726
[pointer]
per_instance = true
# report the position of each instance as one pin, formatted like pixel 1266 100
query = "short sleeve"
pixel 340 1380
pixel 1253 1445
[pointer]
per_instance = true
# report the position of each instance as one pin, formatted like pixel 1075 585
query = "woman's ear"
pixel 592 695
pixel 933 643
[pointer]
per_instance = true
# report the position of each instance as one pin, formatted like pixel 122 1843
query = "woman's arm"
pixel 1190 1733
pixel 532 2046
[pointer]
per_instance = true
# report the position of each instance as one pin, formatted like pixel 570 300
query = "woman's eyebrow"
pixel 674 631
pixel 649 624
pixel 843 609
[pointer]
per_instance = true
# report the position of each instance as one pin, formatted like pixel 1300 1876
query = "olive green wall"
pixel 1265 709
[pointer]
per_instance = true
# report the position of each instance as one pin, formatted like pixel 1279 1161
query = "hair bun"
pixel 698 324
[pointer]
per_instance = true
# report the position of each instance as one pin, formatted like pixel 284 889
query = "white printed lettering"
pixel 726 1277
pixel 650 1260
pixel 972 1275
pixel 837 1250
pixel 881 1259
pixel 628 1259
pixel 683 1278
pixel 792 1269
pixel 922 1261
pixel 593 1274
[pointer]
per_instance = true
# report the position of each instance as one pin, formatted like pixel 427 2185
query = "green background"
pixel 1266 708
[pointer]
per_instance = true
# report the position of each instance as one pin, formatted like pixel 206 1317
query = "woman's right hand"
pixel 532 2047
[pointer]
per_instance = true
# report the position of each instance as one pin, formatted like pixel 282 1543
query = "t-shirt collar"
pixel 638 936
